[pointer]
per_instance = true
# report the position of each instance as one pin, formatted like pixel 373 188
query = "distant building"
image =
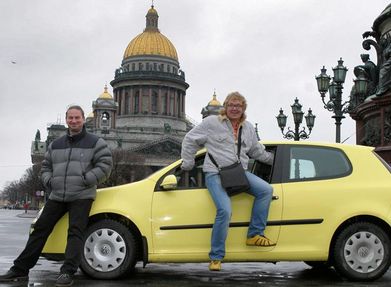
pixel 146 116
pixel 213 107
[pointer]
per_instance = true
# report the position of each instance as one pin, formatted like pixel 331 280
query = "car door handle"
pixel 275 197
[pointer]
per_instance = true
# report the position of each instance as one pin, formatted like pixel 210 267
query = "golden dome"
pixel 151 41
pixel 152 10
pixel 214 101
pixel 106 94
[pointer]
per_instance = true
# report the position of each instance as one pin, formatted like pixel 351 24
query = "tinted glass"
pixel 317 163
pixel 191 179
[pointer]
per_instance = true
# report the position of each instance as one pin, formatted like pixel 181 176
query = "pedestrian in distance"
pixel 219 135
pixel 73 166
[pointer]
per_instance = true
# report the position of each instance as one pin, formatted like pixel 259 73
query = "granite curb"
pixel 28 214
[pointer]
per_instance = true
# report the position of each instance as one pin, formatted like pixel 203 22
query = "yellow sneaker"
pixel 215 265
pixel 259 240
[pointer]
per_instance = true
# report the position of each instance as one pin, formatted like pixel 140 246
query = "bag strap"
pixel 238 154
pixel 239 142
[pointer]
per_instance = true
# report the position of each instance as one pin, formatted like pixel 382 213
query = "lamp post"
pixel 298 119
pixel 334 103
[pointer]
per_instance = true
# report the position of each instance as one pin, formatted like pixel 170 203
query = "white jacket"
pixel 216 134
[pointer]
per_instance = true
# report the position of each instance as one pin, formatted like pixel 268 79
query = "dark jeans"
pixel 51 214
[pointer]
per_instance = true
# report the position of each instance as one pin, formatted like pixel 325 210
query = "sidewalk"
pixel 29 214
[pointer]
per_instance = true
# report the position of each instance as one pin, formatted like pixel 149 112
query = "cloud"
pixel 269 50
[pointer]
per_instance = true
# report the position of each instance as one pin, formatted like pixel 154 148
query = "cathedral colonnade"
pixel 150 100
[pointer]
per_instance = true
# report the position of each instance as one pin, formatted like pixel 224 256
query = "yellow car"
pixel 331 207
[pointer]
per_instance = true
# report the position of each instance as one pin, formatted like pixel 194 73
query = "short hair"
pixel 234 96
pixel 75 107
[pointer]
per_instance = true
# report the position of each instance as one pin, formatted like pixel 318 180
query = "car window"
pixel 301 168
pixel 191 179
pixel 317 163
pixel 260 169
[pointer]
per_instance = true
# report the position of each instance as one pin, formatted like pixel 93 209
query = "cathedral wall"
pixel 145 122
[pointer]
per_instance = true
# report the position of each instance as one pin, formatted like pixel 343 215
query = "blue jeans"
pixel 260 189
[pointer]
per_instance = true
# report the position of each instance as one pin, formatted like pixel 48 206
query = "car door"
pixel 313 180
pixel 182 218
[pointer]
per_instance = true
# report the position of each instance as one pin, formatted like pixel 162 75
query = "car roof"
pixel 317 143
pixel 311 143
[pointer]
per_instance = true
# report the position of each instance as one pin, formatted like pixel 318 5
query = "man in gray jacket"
pixel 74 165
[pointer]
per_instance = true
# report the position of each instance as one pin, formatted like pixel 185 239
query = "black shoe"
pixel 14 276
pixel 64 280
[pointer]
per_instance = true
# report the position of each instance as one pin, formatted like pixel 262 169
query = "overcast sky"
pixel 57 52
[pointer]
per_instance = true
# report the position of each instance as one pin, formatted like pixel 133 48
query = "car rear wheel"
pixel 361 252
pixel 109 250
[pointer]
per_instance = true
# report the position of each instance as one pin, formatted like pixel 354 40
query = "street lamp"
pixel 360 87
pixel 334 103
pixel 298 119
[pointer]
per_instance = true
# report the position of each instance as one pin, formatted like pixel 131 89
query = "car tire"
pixel 362 252
pixel 109 250
pixel 318 264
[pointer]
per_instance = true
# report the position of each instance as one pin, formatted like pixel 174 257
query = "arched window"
pixel 118 99
pixel 154 102
pixel 172 101
pixel 145 104
pixel 164 104
pixel 105 120
pixel 127 103
pixel 178 105
pixel 136 102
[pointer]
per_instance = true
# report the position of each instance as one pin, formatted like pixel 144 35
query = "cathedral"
pixel 146 115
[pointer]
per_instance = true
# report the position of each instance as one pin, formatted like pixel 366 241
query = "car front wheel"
pixel 361 252
pixel 109 250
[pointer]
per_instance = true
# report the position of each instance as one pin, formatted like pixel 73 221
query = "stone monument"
pixel 370 106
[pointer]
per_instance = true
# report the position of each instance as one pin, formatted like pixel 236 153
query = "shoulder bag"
pixel 233 177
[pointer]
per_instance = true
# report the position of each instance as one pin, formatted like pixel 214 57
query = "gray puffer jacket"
pixel 74 165
pixel 216 134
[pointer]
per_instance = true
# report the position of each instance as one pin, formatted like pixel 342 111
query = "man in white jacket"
pixel 219 134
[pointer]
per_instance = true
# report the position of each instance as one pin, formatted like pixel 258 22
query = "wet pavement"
pixel 14 226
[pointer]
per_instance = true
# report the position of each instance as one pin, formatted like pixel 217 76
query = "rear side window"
pixel 314 163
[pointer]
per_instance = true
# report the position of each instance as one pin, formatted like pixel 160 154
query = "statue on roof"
pixel 37 140
pixel 38 135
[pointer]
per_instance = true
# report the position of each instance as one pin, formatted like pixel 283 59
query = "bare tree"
pixel 24 189
pixel 127 167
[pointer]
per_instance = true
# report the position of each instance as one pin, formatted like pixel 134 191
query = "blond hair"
pixel 234 96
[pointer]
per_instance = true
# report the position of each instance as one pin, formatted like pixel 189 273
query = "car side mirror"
pixel 169 182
